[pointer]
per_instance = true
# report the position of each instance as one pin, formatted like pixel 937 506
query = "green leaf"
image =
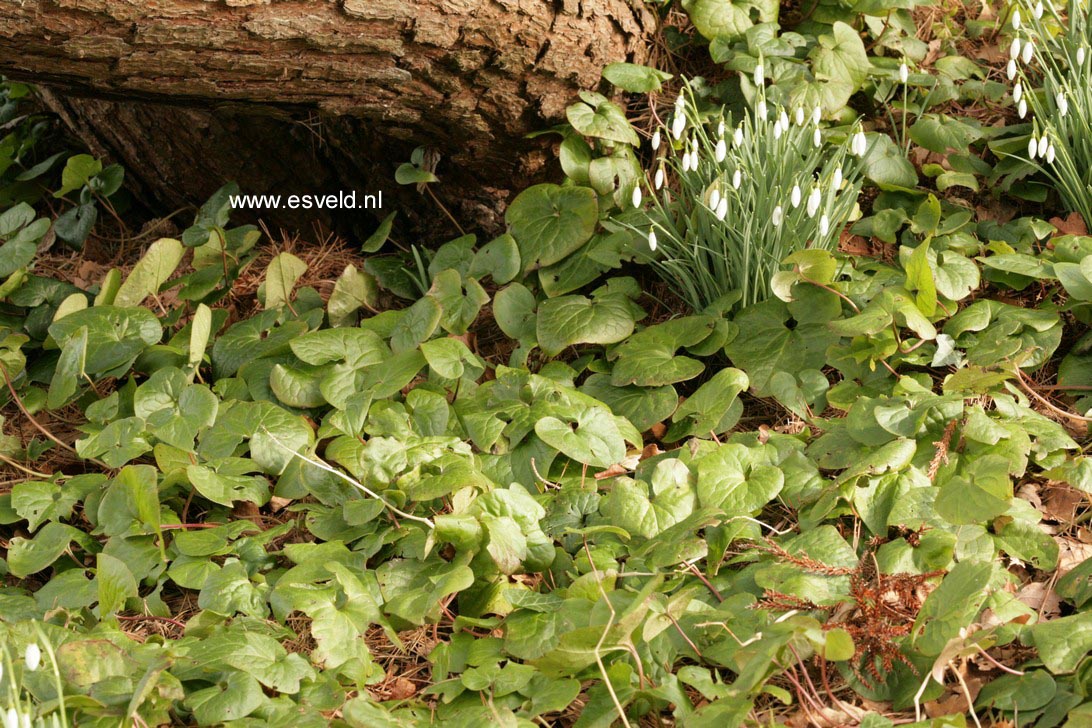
pixel 115 336
pixel 712 409
pixel 29 556
pixel 460 299
pixel 237 696
pixel 549 222
pixel 723 19
pixel 78 171
pixel 230 590
pixel 499 259
pixel 597 116
pixel 116 583
pixel 634 78
pixel 885 164
pixel 589 436
pixel 354 289
pixel 841 57
pixel 153 269
pixel 514 311
pixel 376 240
pixel 569 320
pixel 1063 643
pixel 226 489
pixel 643 406
pixel 280 278
pixel 770 345
pixel 952 606
pixel 919 277
pixel 939 133
pixel 416 324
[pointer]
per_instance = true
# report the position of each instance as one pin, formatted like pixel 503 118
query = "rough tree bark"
pixel 303 95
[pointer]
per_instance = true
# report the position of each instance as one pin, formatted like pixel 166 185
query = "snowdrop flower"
pixel 678 126
pixel 814 198
pixel 637 196
pixel 760 75
pixel 904 73
pixel 800 116
pixel 1010 69
pixel 1050 153
pixel 1080 56
pixel 816 115
pixel 659 180
pixel 737 178
pixel 784 119
pixel 777 129
pixel 655 140
pixel 721 151
pixel 860 144
pixel 1017 92
pixel 714 198
pixel 12 719
pixel 1037 13
pixel 1014 49
pixel 817 138
pixel 1028 52
pixel 686 161
pixel 1063 104
pixel 737 136
pixel 33 656
pixel 824 225
pixel 1022 108
pixel 680 101
pixel 1016 19
pixel 1043 144
pixel 837 180
pixel 778 214
pixel 763 112
pixel 652 240
pixel 720 129
pixel 794 198
pixel 722 208
pixel 1033 145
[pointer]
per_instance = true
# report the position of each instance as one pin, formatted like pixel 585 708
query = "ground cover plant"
pixel 773 412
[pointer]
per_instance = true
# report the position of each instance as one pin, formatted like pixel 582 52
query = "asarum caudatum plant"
pixel 726 203
pixel 1050 48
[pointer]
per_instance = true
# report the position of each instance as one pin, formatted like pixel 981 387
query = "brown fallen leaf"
pixel 402 688
pixel 1073 224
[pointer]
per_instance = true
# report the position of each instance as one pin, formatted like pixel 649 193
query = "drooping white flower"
pixel 1014 49
pixel 1022 108
pixel 1028 52
pixel 777 216
pixel 721 150
pixel 817 138
pixel 814 198
pixel 658 182
pixel 33 656
pixel 12 719
pixel 737 178
pixel 1010 69
pixel 860 144
pixel 680 101
pixel 1050 153
pixel 678 126
pixel 1080 56
pixel 1037 12
pixel 1017 92
pixel 816 115
pixel 655 140
pixel 722 208
pixel 904 73
pixel 1043 144
pixel 686 161
pixel 794 196
pixel 777 130
pixel 652 240
pixel 1016 19
pixel 763 112
pixel 784 119
pixel 737 136
pixel 720 128
pixel 637 196
pixel 836 180
pixel 1063 104
pixel 824 225
pixel 799 116
pixel 1033 146
pixel 714 198
pixel 760 75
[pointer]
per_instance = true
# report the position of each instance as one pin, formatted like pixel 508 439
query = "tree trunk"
pixel 305 95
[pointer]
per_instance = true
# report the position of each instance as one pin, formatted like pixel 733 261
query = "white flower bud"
pixel 678 126
pixel 1043 144
pixel 1017 92
pixel 1033 145
pixel 816 115
pixel 814 198
pixel 722 208
pixel 760 75
pixel 904 73
pixel 720 128
pixel 680 102
pixel 721 150
pixel 737 178
pixel 1014 49
pixel 824 225
pixel 794 197
pixel 655 140
pixel 659 180
pixel 1010 69
pixel 737 136
pixel 778 214
pixel 784 119
pixel 1080 56
pixel 763 112
pixel 1063 104
pixel 837 179
pixel 799 114
pixel 1028 52
pixel 817 138
pixel 652 240
pixel 777 129
pixel 1016 19
pixel 714 198
pixel 11 718
pixel 860 144
pixel 1037 13
pixel 1050 153
pixel 637 196
pixel 1022 108
pixel 33 656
